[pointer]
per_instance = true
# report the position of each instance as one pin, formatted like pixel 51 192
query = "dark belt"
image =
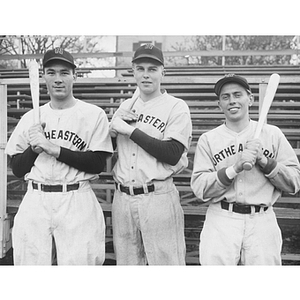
pixel 135 190
pixel 241 208
pixel 55 188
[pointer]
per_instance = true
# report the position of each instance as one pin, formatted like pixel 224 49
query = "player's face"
pixel 234 101
pixel 148 77
pixel 59 78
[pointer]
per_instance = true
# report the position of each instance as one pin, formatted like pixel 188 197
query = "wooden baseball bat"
pixel 34 88
pixel 35 93
pixel 135 96
pixel 267 102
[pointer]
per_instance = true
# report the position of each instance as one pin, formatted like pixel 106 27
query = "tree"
pixel 258 43
pixel 242 42
pixel 199 43
pixel 39 44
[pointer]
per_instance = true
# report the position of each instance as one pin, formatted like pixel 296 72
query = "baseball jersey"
pixel 82 127
pixel 218 148
pixel 164 117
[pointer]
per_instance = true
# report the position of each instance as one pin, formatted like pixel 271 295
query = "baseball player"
pixel 153 137
pixel 240 225
pixel 58 159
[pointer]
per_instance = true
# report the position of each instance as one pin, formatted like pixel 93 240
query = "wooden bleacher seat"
pixel 198 94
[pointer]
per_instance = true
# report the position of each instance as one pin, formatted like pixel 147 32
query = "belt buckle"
pixel 51 188
pixel 243 209
pixel 133 191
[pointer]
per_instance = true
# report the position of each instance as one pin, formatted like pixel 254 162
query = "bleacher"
pixel 195 86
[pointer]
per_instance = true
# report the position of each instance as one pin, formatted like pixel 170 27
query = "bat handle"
pixel 247 166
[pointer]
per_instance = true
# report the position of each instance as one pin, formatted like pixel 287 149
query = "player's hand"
pixel 37 141
pixel 128 116
pixel 32 133
pixel 120 126
pixel 247 155
pixel 112 132
pixel 256 146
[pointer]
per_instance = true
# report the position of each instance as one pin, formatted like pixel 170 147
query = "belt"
pixel 241 208
pixel 55 188
pixel 135 190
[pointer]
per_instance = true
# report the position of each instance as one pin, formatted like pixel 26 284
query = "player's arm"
pixel 207 183
pixel 252 153
pixel 22 163
pixel 285 175
pixel 92 162
pixel 169 151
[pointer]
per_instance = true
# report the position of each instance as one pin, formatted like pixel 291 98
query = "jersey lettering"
pixel 229 151
pixel 267 153
pixel 152 120
pixel 67 136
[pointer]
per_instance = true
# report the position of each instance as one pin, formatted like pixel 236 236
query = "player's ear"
pixel 74 75
pixel 251 99
pixel 220 105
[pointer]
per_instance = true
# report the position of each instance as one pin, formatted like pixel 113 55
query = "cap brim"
pixel 147 56
pixel 222 82
pixel 59 58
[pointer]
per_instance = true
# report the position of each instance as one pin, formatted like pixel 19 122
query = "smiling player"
pixel 240 225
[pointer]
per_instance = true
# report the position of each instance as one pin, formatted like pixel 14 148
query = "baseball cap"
pixel 149 51
pixel 231 78
pixel 58 54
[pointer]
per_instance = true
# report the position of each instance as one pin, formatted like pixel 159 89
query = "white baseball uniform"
pixel 74 218
pixel 227 236
pixel 149 227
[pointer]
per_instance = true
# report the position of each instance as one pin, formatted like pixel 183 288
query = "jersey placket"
pixel 240 179
pixel 133 159
pixel 57 118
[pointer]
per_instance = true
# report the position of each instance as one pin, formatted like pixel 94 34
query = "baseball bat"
pixel 35 93
pixel 34 88
pixel 135 96
pixel 267 102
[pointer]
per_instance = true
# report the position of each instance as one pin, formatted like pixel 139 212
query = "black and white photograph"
pixel 146 163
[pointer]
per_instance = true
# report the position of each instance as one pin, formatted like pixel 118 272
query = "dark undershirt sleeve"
pixel 114 142
pixel 92 162
pixel 270 166
pixel 169 151
pixel 22 163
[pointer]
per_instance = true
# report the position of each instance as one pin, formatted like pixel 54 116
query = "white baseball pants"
pixel 75 220
pixel 230 238
pixel 149 228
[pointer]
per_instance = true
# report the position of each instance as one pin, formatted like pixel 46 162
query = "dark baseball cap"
pixel 149 51
pixel 231 78
pixel 58 54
